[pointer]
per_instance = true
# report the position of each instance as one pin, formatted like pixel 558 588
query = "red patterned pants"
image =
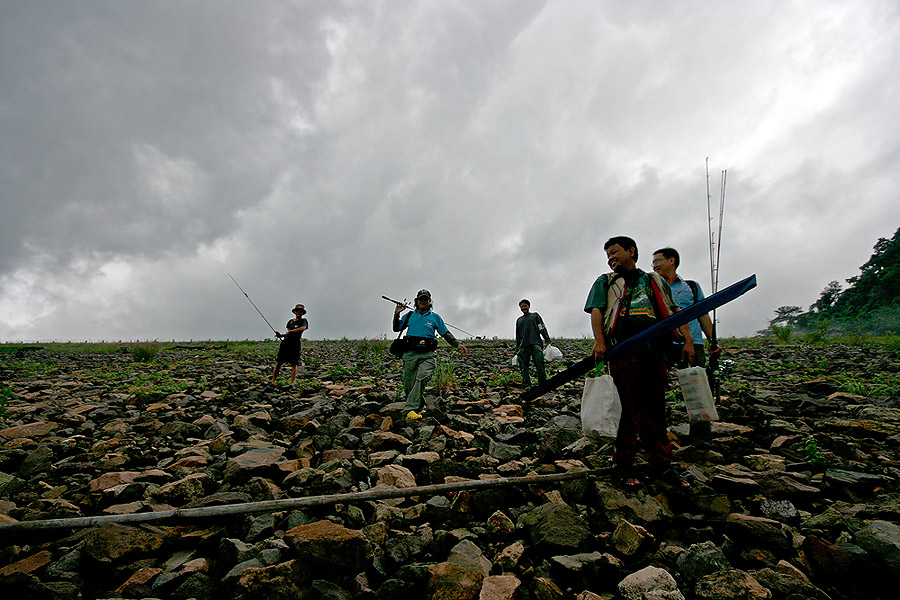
pixel 641 381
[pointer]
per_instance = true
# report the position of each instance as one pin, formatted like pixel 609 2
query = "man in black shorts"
pixel 289 350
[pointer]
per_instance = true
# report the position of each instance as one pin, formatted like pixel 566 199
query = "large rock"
pixel 785 585
pixel 37 462
pixel 254 462
pixel 650 582
pixel 330 546
pixel 181 492
pixel 396 476
pixel 499 587
pixel 557 528
pixel 846 568
pixel 29 430
pixel 730 583
pixel 468 555
pixel 881 539
pixel 643 508
pixel 450 581
pixel 700 560
pixel 111 542
pixel 759 532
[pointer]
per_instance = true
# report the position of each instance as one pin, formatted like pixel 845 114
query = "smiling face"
pixel 619 259
pixel 664 266
pixel 524 306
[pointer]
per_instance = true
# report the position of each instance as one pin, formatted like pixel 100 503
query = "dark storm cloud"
pixel 328 153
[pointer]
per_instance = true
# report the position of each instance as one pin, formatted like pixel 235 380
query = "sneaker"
pixel 412 415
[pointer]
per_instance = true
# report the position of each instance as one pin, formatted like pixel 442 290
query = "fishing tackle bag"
pixel 399 347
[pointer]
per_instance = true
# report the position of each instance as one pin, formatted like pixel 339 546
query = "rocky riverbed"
pixel 795 494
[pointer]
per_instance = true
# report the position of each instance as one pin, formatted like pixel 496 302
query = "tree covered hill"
pixel 871 303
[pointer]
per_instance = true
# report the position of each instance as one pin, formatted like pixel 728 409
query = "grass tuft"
pixel 145 351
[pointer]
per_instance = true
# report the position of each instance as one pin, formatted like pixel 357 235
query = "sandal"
pixel 631 482
pixel 675 477
pixel 627 478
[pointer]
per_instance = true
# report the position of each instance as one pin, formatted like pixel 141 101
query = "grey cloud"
pixel 327 153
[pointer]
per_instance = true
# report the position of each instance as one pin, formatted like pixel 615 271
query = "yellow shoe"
pixel 412 415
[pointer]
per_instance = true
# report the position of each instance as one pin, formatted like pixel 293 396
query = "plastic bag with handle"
pixel 601 409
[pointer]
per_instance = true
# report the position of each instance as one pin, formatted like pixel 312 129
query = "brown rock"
pixel 759 531
pixel 386 440
pixel 450 581
pixel 396 476
pixel 731 583
pixel 36 429
pixel 111 542
pixel 179 493
pixel 111 480
pixel 546 589
pixel 330 546
pixel 254 462
pixel 499 587
pixel 628 538
pixel 284 581
pixel 138 585
pixel 509 557
pixel 28 565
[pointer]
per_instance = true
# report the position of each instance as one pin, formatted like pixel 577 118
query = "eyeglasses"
pixel 656 261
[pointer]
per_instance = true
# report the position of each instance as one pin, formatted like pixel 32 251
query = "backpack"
pixel 614 294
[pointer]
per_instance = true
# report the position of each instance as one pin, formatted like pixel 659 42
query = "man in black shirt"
pixel 529 331
pixel 289 350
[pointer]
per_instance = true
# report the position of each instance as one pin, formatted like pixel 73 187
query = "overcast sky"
pixel 329 152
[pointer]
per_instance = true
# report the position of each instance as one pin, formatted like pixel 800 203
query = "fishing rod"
pixel 408 307
pixel 254 306
pixel 715 249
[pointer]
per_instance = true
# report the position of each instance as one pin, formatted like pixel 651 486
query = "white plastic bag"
pixel 697 396
pixel 552 353
pixel 601 408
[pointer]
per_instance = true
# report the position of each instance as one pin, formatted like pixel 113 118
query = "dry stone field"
pixel 795 494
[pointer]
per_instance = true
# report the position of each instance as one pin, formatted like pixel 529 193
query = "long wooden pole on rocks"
pixel 294 503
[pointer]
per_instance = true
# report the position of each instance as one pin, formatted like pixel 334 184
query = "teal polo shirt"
pixel 424 325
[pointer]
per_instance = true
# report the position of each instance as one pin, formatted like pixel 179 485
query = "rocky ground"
pixel 796 494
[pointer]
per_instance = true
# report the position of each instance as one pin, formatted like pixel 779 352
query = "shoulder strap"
pixel 693 285
pixel 660 303
pixel 615 292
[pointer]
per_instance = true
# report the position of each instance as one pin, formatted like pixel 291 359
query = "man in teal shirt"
pixel 622 304
pixel 423 326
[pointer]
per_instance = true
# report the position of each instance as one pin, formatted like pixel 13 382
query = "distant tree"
pixel 878 284
pixel 786 315
pixel 827 298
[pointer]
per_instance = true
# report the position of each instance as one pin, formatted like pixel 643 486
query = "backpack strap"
pixel 663 309
pixel 694 287
pixel 660 303
pixel 615 295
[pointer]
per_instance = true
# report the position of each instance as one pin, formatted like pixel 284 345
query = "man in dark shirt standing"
pixel 289 350
pixel 529 331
